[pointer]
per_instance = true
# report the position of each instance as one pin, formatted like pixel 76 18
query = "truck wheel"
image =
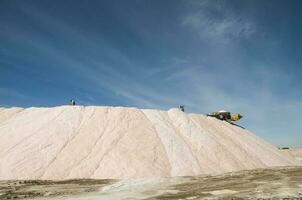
pixel 221 117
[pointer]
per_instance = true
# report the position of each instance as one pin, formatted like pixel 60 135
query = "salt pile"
pixel 114 142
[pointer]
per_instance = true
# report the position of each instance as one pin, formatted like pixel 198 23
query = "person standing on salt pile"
pixel 72 102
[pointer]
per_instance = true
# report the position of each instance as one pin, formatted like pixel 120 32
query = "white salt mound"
pixel 114 142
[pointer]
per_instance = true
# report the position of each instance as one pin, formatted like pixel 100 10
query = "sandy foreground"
pixel 276 183
pixel 71 142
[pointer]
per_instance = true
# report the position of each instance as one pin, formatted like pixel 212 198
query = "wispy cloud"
pixel 211 20
pixel 91 66
pixel 11 93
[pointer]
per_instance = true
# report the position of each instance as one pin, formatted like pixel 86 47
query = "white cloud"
pixel 211 21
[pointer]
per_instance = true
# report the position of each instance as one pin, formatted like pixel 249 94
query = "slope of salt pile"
pixel 114 142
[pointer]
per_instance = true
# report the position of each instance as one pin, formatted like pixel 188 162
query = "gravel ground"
pixel 275 183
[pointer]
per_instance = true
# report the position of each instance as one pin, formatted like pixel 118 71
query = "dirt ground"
pixel 276 183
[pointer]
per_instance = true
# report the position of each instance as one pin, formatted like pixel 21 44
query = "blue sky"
pixel 242 56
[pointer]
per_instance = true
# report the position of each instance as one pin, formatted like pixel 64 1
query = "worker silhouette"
pixel 72 102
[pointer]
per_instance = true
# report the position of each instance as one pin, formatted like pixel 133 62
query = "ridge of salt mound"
pixel 114 142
